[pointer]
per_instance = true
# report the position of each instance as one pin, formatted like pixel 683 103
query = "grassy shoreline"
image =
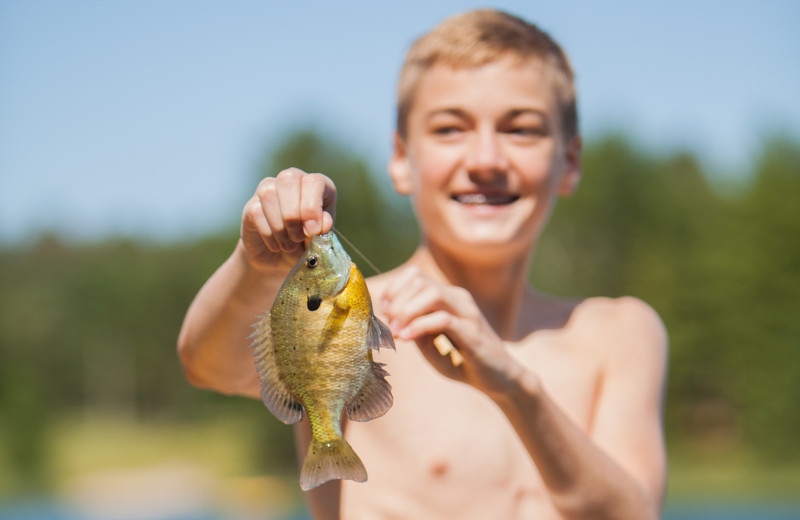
pixel 223 449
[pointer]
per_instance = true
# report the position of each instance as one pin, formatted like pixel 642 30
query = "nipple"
pixel 439 467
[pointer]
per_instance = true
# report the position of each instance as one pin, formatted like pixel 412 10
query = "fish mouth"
pixel 485 198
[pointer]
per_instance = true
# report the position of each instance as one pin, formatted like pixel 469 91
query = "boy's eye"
pixel 527 131
pixel 526 125
pixel 446 130
pixel 526 134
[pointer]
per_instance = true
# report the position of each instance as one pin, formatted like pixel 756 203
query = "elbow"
pixel 188 365
pixel 203 369
pixel 195 375
pixel 192 366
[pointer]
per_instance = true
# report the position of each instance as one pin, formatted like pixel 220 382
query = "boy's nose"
pixel 486 158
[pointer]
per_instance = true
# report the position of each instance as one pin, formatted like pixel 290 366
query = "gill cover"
pixel 327 269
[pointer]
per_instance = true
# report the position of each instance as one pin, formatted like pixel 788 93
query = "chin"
pixel 470 231
pixel 485 244
pixel 496 231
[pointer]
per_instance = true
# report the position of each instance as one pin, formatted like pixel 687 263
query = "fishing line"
pixel 441 342
pixel 347 241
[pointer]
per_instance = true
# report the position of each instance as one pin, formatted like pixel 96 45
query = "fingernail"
pixel 312 228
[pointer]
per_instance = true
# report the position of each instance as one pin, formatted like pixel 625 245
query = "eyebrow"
pixel 448 111
pixel 511 114
pixel 524 111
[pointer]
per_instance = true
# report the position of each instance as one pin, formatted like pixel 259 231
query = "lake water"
pixel 731 512
pixel 50 511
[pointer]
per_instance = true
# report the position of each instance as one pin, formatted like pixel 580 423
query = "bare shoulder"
pixel 625 327
pixel 625 314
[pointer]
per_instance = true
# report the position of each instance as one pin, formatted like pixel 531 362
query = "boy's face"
pixel 484 157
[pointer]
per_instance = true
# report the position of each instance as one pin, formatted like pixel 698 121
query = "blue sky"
pixel 148 118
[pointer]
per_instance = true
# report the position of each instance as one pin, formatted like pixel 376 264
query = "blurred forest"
pixel 88 330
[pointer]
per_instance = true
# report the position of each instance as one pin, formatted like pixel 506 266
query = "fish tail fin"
pixel 328 461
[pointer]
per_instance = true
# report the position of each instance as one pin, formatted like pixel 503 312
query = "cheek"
pixel 431 168
pixel 541 170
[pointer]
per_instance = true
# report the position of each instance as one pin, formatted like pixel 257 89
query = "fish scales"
pixel 336 364
pixel 313 352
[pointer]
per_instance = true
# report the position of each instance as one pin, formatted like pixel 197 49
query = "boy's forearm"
pixel 582 480
pixel 213 345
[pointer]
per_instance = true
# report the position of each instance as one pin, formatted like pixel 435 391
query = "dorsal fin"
pixel 274 394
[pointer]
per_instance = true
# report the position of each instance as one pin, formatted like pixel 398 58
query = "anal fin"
pixel 375 397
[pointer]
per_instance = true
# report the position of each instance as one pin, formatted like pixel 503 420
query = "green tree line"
pixel 93 327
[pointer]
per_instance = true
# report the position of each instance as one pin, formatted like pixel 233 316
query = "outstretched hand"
pixel 420 308
pixel 282 213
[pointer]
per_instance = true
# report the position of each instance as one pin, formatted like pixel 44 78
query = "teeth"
pixel 473 198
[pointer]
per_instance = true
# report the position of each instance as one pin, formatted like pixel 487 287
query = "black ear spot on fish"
pixel 312 261
pixel 313 302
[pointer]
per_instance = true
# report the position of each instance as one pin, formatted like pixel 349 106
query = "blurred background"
pixel 132 133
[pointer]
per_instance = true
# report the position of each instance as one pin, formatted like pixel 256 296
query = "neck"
pixel 497 287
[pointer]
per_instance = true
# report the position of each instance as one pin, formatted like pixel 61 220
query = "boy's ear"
pixel 571 175
pixel 399 170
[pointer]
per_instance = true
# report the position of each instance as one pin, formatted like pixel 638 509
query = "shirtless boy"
pixel 556 409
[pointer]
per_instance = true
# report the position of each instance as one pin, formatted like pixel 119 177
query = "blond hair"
pixel 480 37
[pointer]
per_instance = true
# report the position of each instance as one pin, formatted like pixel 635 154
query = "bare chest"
pixel 443 441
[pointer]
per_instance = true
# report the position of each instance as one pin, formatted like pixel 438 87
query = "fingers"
pixel 415 305
pixel 255 228
pixel 429 311
pixel 287 208
pixel 317 218
pixel 430 324
pixel 286 213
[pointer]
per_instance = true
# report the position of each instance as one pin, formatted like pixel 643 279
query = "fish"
pixel 313 353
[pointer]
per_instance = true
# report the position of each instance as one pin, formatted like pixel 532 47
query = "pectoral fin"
pixel 379 336
pixel 274 393
pixel 333 324
pixel 375 397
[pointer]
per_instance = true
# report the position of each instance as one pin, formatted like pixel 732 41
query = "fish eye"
pixel 312 261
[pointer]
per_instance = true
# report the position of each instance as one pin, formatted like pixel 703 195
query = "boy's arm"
pixel 213 345
pixel 616 470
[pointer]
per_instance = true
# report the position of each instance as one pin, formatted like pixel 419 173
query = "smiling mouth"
pixel 490 199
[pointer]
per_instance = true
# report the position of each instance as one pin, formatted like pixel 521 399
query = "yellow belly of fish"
pixel 324 365
pixel 319 361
